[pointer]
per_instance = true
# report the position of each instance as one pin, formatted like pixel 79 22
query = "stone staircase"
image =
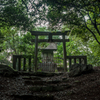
pixel 42 85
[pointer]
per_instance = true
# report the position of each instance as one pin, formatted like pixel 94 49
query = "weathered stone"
pixel 78 69
pixel 77 82
pixel 48 88
pixel 65 79
pixel 33 97
pixel 35 82
pixel 31 77
pixel 66 86
pixel 83 68
pixel 45 74
pixel 35 78
pixel 90 67
pixel 60 69
pixel 26 77
pixel 39 74
pixel 75 70
pixel 58 73
pixel 7 71
pixel 53 81
pixel 29 82
pixel 35 88
pixel 70 93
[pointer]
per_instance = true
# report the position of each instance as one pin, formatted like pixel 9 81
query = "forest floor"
pixel 84 87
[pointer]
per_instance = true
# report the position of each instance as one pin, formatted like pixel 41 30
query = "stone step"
pixel 40 74
pixel 31 81
pixel 43 82
pixel 34 82
pixel 53 81
pixel 31 77
pixel 33 97
pixel 49 88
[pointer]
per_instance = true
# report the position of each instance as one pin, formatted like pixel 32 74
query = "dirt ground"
pixel 84 87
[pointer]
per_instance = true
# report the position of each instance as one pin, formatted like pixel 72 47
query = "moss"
pixel 7 71
pixel 48 88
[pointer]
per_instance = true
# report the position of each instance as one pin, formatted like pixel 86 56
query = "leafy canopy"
pixel 81 13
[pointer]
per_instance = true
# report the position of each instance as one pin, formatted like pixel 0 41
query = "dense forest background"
pixel 19 17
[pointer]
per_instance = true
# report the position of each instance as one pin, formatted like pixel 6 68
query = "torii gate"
pixel 50 34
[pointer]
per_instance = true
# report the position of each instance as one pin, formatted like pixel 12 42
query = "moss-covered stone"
pixel 40 74
pixel 34 82
pixel 79 69
pixel 33 97
pixel 48 88
pixel 31 77
pixel 53 81
pixel 7 71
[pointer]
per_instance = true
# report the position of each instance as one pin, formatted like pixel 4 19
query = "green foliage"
pixel 13 13
pixel 19 15
pixel 15 17
pixel 95 48
pixel 74 13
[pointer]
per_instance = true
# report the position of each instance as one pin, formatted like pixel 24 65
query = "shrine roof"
pixel 52 46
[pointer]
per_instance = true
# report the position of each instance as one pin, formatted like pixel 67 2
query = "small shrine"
pixel 47 53
pixel 47 58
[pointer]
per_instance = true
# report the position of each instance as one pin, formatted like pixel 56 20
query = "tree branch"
pixel 93 35
pixel 25 5
pixel 90 30
pixel 94 24
pixel 4 4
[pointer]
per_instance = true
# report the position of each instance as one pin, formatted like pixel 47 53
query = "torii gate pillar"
pixel 36 53
pixel 64 54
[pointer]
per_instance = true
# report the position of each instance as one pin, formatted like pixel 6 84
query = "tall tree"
pixel 81 13
pixel 14 13
pixel 22 13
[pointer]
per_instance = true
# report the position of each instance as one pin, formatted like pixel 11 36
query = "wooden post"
pixel 30 64
pixel 50 38
pixel 70 63
pixel 64 54
pixel 24 64
pixel 14 62
pixel 74 60
pixel 36 52
pixel 79 60
pixel 19 63
pixel 85 60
